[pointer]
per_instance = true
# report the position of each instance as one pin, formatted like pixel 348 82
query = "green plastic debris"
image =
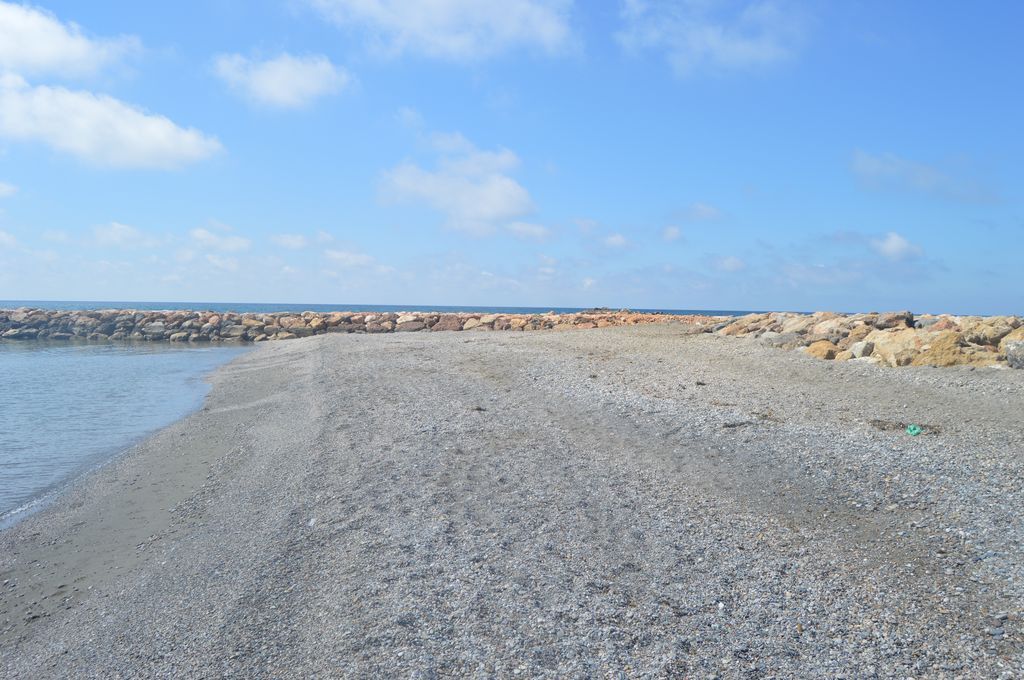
pixel 914 430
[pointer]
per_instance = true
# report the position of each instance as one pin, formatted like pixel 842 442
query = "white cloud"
pixel 409 118
pixel 703 212
pixel 616 241
pixel 454 29
pixel 286 81
pixel 895 247
pixel 97 128
pixel 56 236
pixel 350 260
pixel 123 236
pixel 712 34
pixel 888 170
pixel 7 190
pixel 228 264
pixel 730 263
pixel 528 230
pixel 34 41
pixel 671 233
pixel 324 237
pixel 7 240
pixel 290 241
pixel 227 243
pixel 588 283
pixel 469 187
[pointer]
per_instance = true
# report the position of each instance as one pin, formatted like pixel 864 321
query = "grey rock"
pixel 862 349
pixel 1014 353
pixel 21 334
pixel 783 340
pixel 154 328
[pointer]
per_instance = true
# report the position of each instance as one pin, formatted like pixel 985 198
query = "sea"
pixel 267 308
pixel 66 408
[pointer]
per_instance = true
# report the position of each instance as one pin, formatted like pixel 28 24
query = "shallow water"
pixel 67 407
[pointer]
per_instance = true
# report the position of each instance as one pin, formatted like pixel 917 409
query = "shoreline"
pixel 336 491
pixel 100 458
pixel 97 482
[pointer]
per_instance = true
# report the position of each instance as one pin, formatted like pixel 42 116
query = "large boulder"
pixel 744 324
pixel 894 320
pixel 898 347
pixel 986 331
pixel 859 350
pixel 856 334
pixel 21 333
pixel 1016 335
pixel 948 348
pixel 783 340
pixel 448 322
pixel 1014 352
pixel 823 349
pixel 382 326
pixel 154 329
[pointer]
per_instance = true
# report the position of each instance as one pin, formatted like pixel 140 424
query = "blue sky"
pixel 687 154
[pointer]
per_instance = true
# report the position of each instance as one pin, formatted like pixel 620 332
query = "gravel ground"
pixel 628 502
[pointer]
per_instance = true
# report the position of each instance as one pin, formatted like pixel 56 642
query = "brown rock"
pixel 895 320
pixel 448 322
pixel 856 334
pixel 1016 335
pixel 986 331
pixel 898 347
pixel 346 327
pixel 822 349
pixel 470 323
pixel 409 326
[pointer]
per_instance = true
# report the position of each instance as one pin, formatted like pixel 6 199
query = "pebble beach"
pixel 643 501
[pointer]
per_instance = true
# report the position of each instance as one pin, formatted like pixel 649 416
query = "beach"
pixel 637 501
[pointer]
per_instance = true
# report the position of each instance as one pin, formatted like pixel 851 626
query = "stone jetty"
pixel 888 339
pixel 198 326
pixel 891 338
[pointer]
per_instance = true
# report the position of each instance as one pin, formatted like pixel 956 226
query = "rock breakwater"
pixel 891 338
pixel 198 326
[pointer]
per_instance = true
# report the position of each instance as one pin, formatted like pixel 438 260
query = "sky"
pixel 686 154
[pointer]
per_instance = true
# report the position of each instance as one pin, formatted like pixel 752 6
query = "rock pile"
pixel 195 326
pixel 892 338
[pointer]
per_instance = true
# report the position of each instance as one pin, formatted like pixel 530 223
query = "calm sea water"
pixel 65 408
pixel 263 308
